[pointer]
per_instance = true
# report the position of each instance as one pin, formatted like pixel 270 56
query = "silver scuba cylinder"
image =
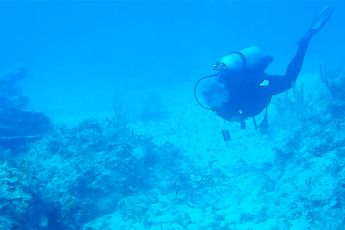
pixel 247 58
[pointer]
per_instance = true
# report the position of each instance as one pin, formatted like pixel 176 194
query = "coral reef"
pixel 21 206
pixel 103 174
pixel 334 80
pixel 200 187
pixel 16 197
pixel 89 170
pixel 18 127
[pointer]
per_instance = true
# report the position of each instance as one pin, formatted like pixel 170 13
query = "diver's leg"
pixel 278 84
pixel 295 65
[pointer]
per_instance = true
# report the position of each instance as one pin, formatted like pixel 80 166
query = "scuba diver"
pixel 241 89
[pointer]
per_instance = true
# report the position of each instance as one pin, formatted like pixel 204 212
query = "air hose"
pixel 195 91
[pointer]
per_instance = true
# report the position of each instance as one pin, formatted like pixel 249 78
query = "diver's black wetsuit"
pixel 246 95
pixel 248 98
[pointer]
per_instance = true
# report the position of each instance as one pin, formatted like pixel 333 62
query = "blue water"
pixel 146 159
pixel 111 44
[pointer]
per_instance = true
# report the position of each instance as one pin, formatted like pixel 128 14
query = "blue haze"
pixel 79 48
pixel 82 57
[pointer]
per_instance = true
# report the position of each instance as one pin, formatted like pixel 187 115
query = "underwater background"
pixel 99 128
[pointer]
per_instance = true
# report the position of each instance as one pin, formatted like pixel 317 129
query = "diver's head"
pixel 214 94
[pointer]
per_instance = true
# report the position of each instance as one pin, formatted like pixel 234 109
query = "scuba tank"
pixel 247 58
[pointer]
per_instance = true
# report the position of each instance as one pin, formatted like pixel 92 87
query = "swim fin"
pixel 320 20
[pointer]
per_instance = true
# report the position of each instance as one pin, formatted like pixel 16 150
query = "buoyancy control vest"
pixel 250 58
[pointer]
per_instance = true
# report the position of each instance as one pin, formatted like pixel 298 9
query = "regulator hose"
pixel 195 89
